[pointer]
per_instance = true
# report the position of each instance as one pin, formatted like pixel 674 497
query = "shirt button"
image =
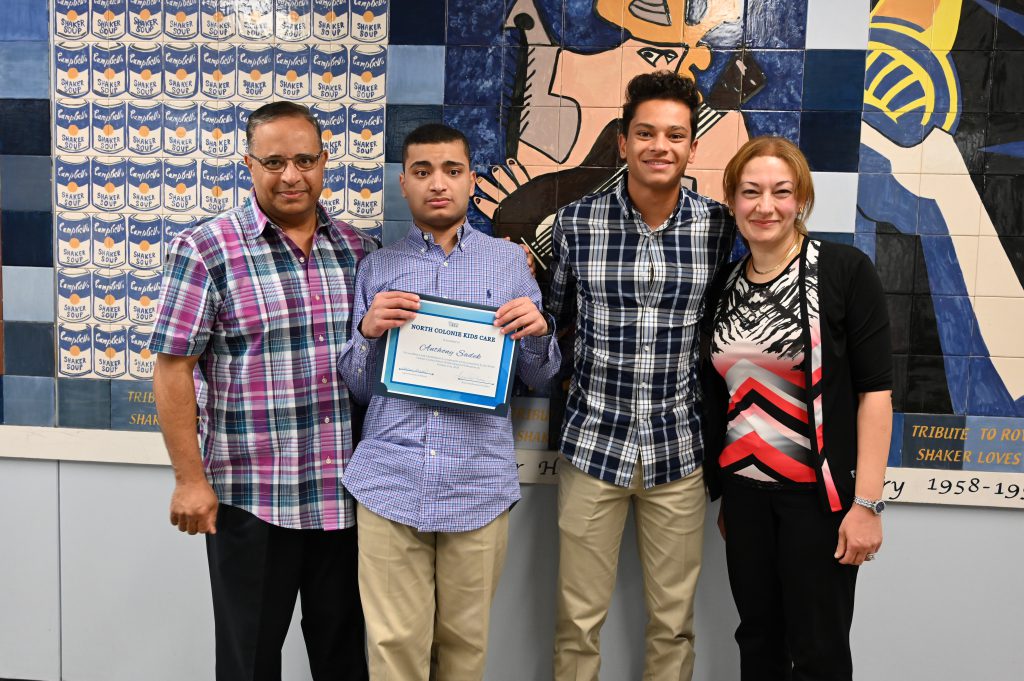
pixel 446 263
pixel 328 460
pixel 359 371
pixel 316 297
pixel 647 348
pixel 320 337
pixel 433 452
pixel 423 250
pixel 323 380
pixel 436 412
pixel 327 419
pixel 362 348
pixel 302 259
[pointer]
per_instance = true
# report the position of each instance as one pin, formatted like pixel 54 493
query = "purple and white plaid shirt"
pixel 436 468
pixel 268 324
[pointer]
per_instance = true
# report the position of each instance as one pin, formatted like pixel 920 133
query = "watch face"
pixel 879 506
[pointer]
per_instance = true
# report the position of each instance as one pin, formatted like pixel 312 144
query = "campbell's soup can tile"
pixel 369 20
pixel 374 228
pixel 110 351
pixel 243 182
pixel 71 177
pixel 181 19
pixel 74 349
pixel 145 241
pixel 242 113
pixel 109 70
pixel 145 18
pixel 145 70
pixel 181 70
pixel 333 194
pixel 367 66
pixel 333 124
pixel 145 127
pixel 109 183
pixel 109 296
pixel 71 117
pixel 217 128
pixel 216 185
pixel 141 360
pixel 330 19
pixel 365 182
pixel 255 19
pixel 145 182
pixel 216 19
pixel 291 71
pixel 181 184
pixel 71 66
pixel 143 295
pixel 366 131
pixel 71 18
pixel 74 239
pixel 74 295
pixel 217 71
pixel 109 126
pixel 255 71
pixel 329 72
pixel 109 19
pixel 176 224
pixel 293 20
pixel 181 128
pixel 109 240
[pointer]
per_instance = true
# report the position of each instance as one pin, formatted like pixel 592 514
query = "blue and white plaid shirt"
pixel 636 294
pixel 436 468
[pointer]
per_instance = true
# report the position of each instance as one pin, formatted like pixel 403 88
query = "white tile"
pixel 28 294
pixel 837 25
pixel 835 202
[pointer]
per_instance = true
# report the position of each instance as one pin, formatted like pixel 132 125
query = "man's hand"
pixel 194 507
pixel 389 310
pixel 859 534
pixel 521 318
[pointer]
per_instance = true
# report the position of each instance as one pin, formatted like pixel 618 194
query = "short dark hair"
pixel 433 133
pixel 273 111
pixel 660 85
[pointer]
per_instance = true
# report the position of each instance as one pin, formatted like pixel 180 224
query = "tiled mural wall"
pixel 912 118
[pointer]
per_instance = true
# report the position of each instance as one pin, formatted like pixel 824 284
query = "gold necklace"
pixel 785 259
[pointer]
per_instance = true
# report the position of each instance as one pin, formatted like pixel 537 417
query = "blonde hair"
pixel 781 148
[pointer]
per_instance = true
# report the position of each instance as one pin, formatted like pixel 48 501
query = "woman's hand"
pixel 860 534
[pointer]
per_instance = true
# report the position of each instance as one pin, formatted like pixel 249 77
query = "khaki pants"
pixel 427 597
pixel 670 529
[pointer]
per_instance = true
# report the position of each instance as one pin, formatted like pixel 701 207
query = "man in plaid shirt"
pixel 631 267
pixel 254 310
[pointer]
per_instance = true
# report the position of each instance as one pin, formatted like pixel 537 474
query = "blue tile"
pixel 395 231
pixel 403 119
pixel 482 126
pixel 896 440
pixel 834 80
pixel 27 237
pixel 415 74
pixel 471 22
pixel 834 237
pixel 395 206
pixel 29 401
pixel 585 31
pixel 783 75
pixel 987 393
pixel 473 75
pixel 993 453
pixel 775 24
pixel 132 406
pixel 83 403
pixel 416 22
pixel 26 182
pixel 24 127
pixel 24 20
pixel 782 123
pixel 917 441
pixel 23 73
pixel 28 294
pixel 831 139
pixel 28 349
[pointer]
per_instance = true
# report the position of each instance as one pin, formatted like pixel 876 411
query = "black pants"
pixel 795 600
pixel 256 570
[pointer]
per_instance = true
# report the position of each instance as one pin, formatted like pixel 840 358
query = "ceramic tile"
pixel 29 400
pixel 970 139
pixel 955 339
pixel 28 349
pixel 890 199
pixel 26 183
pixel 1000 453
pixel 782 123
pixel 709 182
pixel 1007 67
pixel 833 80
pixel 775 24
pixel 394 231
pixel 28 294
pixel 783 81
pixel 403 119
pixel 996 275
pixel 965 249
pixel 896 441
pixel 943 273
pixel 83 403
pixel 999 319
pixel 959 210
pixel 927 389
pixel 395 206
pixel 987 393
pixel 895 260
pixel 924 333
pixel 932 441
pixel 899 383
pixel 836 25
pixel 585 30
pixel 24 20
pixel 132 406
pixel 1010 29
pixel 1005 155
pixel 974 69
pixel 977 26
pixel 846 238
pixel 473 75
pixel 471 22
pixel 898 159
pixel 23 73
pixel 416 22
pixel 728 33
pixel 1010 375
pixel 27 237
pixel 416 74
pixel 481 126
pixel 831 140
pixel 1002 198
pixel 835 203
pixel 900 321
pixel 943 159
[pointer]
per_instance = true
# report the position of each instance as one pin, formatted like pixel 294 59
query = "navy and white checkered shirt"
pixel 637 294
pixel 436 468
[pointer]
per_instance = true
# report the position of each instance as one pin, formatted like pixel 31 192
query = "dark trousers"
pixel 256 570
pixel 795 600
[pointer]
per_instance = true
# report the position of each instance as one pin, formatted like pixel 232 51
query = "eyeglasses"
pixel 277 164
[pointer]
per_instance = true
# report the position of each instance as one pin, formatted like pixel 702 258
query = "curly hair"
pixel 660 85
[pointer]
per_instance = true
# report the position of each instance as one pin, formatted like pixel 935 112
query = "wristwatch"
pixel 876 506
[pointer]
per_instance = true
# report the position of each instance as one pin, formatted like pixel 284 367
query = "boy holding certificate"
pixel 434 483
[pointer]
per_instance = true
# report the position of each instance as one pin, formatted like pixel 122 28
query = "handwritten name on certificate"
pixel 449 354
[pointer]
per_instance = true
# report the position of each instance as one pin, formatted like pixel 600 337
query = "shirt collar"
pixel 622 196
pixel 418 238
pixel 258 221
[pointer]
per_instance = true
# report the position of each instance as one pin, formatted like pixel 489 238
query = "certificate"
pixel 450 353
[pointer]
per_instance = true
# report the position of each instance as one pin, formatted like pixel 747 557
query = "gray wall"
pixel 95 585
